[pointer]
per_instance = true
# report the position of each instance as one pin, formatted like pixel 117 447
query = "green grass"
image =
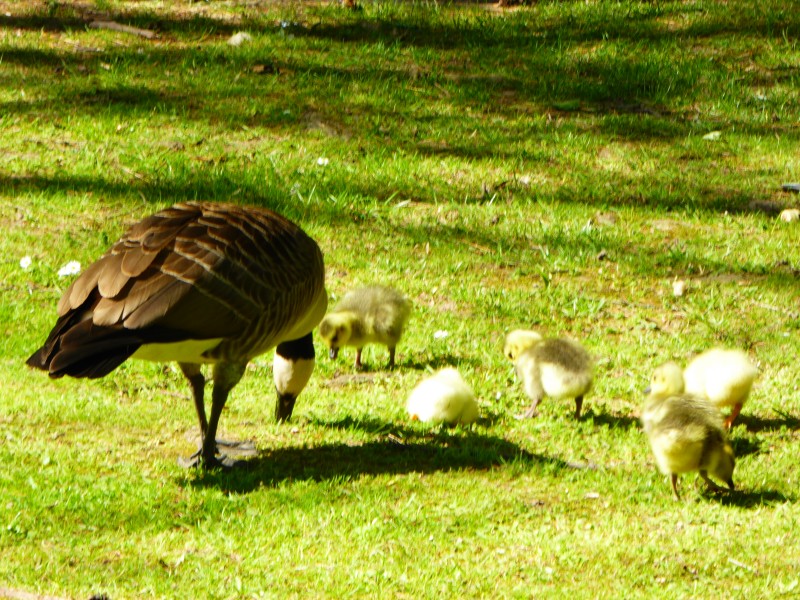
pixel 543 166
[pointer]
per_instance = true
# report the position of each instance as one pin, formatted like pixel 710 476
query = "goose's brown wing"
pixel 195 271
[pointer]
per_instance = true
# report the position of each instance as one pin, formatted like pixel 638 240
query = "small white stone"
pixel 678 288
pixel 237 39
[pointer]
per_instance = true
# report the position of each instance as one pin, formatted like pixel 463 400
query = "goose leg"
pixel 358 358
pixel 391 357
pixel 197 381
pixel 226 376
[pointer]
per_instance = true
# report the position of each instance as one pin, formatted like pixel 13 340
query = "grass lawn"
pixel 557 165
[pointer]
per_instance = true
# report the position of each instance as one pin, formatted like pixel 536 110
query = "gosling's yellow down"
pixel 197 283
pixel 518 341
pixel 722 376
pixel 443 398
pixel 373 314
pixel 554 367
pixel 685 432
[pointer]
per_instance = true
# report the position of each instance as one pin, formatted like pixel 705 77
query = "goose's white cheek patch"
pixel 291 376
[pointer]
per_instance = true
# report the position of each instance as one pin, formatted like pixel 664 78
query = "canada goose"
pixel 555 367
pixel 443 397
pixel 197 283
pixel 685 431
pixel 724 377
pixel 374 314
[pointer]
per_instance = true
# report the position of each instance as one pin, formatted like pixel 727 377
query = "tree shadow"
pixel 441 451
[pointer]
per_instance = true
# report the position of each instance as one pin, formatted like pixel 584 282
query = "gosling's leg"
pixel 674 480
pixel 532 412
pixel 737 408
pixel 578 406
pixel 391 357
pixel 358 358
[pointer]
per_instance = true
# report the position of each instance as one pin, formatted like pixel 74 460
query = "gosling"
pixel 685 432
pixel 443 398
pixel 556 367
pixel 724 377
pixel 374 314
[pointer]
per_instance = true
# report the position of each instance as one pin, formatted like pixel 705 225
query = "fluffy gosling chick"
pixel 374 314
pixel 557 367
pixel 443 398
pixel 724 377
pixel 685 432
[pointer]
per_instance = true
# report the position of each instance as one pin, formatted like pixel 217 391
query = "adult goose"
pixel 197 283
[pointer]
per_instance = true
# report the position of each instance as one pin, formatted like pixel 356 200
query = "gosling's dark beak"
pixel 730 485
pixel 333 353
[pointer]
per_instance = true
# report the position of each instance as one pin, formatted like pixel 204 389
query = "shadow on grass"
pixel 347 375
pixel 402 451
pixel 613 421
pixel 615 82
pixel 758 424
pixel 753 498
pixel 744 446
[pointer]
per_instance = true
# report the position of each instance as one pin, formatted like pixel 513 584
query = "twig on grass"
pixel 114 26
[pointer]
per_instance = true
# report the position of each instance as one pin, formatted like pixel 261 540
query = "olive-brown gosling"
pixel 374 314
pixel 685 432
pixel 443 398
pixel 724 377
pixel 554 367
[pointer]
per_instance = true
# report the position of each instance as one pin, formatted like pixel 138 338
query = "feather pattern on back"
pixel 197 270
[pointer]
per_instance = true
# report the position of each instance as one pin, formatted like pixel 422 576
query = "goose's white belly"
pixel 190 351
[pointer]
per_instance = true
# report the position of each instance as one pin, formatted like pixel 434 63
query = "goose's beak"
pixel 333 353
pixel 284 407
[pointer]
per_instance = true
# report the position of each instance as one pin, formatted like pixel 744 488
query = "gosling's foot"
pixel 528 414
